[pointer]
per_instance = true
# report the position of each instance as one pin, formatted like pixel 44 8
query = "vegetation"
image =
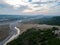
pixel 55 20
pixel 37 37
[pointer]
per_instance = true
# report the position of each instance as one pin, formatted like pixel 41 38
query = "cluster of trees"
pixel 37 37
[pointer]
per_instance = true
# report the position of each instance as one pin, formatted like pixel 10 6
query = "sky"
pixel 30 7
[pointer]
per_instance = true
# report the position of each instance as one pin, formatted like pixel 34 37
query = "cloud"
pixel 29 6
pixel 18 3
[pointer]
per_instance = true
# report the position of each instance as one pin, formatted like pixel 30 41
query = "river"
pixel 13 34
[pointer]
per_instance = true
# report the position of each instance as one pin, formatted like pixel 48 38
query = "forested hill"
pixel 55 20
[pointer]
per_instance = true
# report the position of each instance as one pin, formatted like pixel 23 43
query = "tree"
pixel 54 29
pixel 34 37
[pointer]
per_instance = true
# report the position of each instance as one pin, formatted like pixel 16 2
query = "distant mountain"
pixel 55 20
pixel 50 20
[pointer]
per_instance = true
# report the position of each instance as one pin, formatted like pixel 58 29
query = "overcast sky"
pixel 30 7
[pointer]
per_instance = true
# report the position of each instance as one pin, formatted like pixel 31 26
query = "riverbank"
pixel 11 31
pixel 4 31
pixel 14 33
pixel 14 36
